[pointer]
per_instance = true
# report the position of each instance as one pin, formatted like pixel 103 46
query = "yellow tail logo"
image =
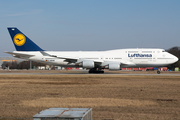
pixel 19 39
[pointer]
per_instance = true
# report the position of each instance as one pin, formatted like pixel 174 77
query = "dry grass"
pixel 110 96
pixel 85 102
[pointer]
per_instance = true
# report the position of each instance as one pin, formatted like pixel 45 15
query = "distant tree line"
pixel 21 65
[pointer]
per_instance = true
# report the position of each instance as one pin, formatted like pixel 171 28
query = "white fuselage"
pixel 126 57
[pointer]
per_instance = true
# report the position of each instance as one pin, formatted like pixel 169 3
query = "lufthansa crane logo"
pixel 19 39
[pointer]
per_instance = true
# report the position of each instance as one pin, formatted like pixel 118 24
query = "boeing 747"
pixel 95 61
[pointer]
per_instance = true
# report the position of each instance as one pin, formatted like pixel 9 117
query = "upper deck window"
pixel 132 51
pixel 146 51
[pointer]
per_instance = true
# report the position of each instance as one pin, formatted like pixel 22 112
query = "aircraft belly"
pixel 151 65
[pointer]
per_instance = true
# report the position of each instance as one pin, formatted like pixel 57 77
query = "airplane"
pixel 94 61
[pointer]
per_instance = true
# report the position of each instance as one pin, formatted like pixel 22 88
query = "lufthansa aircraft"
pixel 95 61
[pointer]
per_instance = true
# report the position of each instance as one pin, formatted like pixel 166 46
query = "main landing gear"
pixel 96 71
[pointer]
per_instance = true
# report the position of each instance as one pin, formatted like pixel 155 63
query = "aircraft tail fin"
pixel 21 41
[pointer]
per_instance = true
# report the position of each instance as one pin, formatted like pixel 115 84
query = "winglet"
pixel 59 57
pixel 46 54
pixel 21 41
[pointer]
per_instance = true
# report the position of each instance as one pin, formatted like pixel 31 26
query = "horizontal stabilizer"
pixel 20 55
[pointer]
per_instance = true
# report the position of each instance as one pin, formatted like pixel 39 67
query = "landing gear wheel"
pixel 90 71
pixel 95 71
pixel 158 72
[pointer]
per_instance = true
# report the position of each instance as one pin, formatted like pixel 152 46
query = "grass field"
pixel 111 96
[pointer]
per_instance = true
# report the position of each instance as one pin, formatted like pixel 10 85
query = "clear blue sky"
pixel 92 24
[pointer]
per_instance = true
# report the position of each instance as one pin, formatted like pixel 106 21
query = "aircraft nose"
pixel 175 59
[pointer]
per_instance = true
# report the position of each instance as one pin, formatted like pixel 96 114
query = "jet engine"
pixel 114 66
pixel 88 64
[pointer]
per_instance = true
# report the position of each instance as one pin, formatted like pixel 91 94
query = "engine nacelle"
pixel 114 66
pixel 88 64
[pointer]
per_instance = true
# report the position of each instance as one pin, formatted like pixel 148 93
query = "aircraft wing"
pixel 127 62
pixel 68 59
pixel 79 60
pixel 20 55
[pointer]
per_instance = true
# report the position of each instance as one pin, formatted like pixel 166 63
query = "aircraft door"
pixel 154 56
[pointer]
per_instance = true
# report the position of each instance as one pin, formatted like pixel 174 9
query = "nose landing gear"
pixel 158 72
